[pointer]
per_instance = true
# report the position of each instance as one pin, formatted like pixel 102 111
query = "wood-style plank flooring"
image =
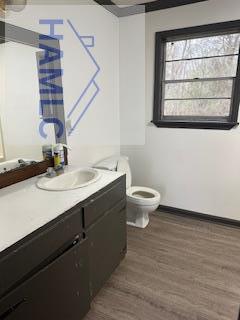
pixel 178 268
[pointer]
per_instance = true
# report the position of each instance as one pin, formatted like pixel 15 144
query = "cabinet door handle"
pixel 12 309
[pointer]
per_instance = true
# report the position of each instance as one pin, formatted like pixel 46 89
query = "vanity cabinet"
pixel 58 291
pixel 55 272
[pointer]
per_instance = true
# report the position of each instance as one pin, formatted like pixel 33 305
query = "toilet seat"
pixel 142 196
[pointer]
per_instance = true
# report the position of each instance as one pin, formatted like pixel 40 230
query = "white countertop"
pixel 24 208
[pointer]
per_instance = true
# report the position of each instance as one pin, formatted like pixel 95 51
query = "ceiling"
pixel 122 8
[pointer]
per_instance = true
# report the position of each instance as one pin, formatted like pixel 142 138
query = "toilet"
pixel 140 200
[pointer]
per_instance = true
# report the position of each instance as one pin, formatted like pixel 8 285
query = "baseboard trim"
pixel 199 216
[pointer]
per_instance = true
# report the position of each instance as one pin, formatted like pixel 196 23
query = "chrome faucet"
pixel 23 163
pixel 51 173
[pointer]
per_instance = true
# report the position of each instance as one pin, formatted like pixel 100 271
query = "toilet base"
pixel 138 216
pixel 139 223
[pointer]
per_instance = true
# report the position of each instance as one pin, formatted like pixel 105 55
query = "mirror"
pixel 2 153
pixel 19 103
pixel 20 108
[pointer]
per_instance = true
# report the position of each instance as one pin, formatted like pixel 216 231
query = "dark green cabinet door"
pixel 59 291
pixel 107 245
pixel 25 257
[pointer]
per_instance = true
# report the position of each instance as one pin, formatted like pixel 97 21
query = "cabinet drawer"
pixel 59 291
pixel 96 207
pixel 16 266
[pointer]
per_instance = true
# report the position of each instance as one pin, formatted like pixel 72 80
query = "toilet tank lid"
pixel 108 164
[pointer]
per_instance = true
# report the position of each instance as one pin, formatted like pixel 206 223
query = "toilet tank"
pixel 117 163
pixel 108 163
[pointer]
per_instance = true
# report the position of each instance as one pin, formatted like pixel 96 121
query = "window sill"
pixel 195 125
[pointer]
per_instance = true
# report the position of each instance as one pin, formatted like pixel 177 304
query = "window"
pixel 197 77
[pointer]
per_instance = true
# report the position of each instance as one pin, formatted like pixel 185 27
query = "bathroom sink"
pixel 68 181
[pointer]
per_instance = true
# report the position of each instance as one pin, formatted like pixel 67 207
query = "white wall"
pixel 132 87
pixel 196 170
pixel 98 134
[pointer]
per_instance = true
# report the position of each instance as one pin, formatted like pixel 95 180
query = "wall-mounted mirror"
pixel 24 125
pixel 2 153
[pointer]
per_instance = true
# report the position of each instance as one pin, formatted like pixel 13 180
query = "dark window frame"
pixel 160 54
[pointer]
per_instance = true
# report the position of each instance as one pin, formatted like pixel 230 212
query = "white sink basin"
pixel 69 181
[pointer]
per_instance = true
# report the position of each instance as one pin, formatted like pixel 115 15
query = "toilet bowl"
pixel 140 200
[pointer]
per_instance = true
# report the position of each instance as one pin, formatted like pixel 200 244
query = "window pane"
pixel 210 108
pixel 206 89
pixel 203 68
pixel 203 47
